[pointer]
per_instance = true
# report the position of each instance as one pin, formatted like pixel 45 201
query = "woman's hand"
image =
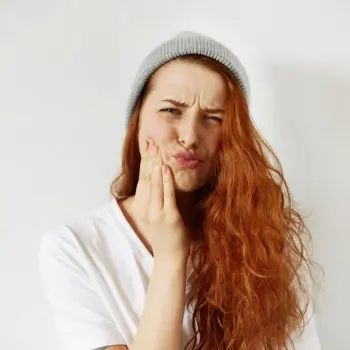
pixel 155 204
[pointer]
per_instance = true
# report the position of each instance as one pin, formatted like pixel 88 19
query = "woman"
pixel 200 245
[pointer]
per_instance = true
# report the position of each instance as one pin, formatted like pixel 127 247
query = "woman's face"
pixel 183 112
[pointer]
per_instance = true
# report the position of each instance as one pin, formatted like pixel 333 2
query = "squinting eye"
pixel 169 110
pixel 213 117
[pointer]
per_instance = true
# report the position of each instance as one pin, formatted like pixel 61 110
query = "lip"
pixel 187 160
pixel 186 156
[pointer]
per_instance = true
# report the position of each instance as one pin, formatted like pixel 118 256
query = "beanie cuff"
pixel 187 43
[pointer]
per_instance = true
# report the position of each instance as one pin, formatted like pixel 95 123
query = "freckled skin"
pixel 199 88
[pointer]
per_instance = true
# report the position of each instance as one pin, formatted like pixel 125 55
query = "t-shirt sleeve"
pixel 80 317
pixel 309 339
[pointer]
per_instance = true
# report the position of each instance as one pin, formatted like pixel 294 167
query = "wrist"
pixel 176 264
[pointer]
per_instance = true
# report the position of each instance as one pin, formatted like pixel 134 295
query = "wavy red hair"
pixel 249 290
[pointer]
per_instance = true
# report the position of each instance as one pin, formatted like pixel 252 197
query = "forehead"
pixel 188 80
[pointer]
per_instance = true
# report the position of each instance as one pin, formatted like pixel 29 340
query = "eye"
pixel 215 118
pixel 169 110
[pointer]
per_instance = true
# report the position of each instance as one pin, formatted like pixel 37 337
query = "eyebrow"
pixel 183 104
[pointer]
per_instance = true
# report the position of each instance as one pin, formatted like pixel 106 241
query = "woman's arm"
pixel 161 323
pixel 160 327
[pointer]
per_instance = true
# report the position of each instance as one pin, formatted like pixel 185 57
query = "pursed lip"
pixel 187 160
pixel 186 156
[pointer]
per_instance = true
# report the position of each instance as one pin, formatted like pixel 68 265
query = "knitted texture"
pixel 186 43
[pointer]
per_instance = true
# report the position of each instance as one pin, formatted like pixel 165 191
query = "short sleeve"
pixel 309 339
pixel 80 318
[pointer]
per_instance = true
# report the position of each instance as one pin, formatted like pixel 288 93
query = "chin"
pixel 188 186
pixel 185 189
pixel 189 180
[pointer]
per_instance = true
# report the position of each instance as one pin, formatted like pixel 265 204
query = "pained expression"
pixel 183 112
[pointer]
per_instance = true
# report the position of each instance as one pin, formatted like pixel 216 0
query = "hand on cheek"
pixel 155 203
pixel 152 139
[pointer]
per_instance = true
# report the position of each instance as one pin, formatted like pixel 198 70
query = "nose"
pixel 188 133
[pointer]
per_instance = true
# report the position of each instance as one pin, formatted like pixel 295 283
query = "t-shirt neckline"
pixel 142 251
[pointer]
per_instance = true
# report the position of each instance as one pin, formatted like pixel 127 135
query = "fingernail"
pixel 154 149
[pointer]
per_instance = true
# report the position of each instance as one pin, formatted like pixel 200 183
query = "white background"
pixel 66 68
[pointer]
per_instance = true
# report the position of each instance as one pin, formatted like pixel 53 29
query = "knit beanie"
pixel 186 43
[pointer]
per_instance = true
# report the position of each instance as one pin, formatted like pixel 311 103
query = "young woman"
pixel 201 246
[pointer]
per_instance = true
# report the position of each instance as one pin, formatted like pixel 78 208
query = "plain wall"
pixel 66 68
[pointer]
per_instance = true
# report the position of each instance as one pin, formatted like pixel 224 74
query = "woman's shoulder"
pixel 92 230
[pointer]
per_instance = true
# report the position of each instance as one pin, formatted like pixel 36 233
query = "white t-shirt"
pixel 95 273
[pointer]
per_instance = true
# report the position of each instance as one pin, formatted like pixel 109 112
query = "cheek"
pixel 161 132
pixel 213 143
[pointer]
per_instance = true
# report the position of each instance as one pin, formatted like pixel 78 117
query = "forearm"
pixel 161 323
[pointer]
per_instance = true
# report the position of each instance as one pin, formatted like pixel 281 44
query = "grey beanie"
pixel 186 43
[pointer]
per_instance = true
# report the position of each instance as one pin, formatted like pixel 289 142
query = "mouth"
pixel 187 161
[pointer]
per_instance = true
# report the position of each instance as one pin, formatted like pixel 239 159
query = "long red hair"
pixel 249 290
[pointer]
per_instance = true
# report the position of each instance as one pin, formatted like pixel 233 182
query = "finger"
pixel 143 188
pixel 157 180
pixel 143 150
pixel 144 161
pixel 169 189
